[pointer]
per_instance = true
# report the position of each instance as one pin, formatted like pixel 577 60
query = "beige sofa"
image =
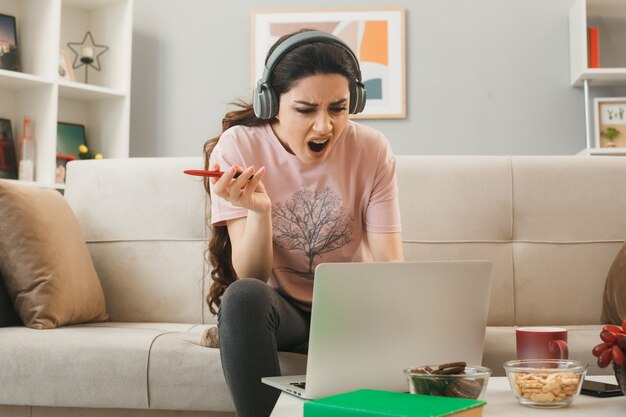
pixel 551 226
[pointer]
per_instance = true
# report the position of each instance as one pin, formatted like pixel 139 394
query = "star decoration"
pixel 87 53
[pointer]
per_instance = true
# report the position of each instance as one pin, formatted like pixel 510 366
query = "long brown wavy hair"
pixel 303 61
pixel 220 251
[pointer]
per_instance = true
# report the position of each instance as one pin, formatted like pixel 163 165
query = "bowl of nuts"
pixel 545 383
pixel 455 379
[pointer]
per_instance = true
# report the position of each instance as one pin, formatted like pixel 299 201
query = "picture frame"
pixel 8 43
pixel 8 154
pixel 376 36
pixel 69 137
pixel 610 122
pixel 65 70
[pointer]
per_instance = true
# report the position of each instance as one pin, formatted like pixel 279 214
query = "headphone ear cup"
pixel 264 102
pixel 272 103
pixel 358 96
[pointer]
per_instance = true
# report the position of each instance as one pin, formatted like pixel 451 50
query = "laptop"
pixel 369 321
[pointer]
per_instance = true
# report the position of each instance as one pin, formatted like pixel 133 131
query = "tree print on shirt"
pixel 312 222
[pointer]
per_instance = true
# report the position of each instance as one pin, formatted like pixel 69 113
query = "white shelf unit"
pixel 610 17
pixel 44 27
pixel 603 152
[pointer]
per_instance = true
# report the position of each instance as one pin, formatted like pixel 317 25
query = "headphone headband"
pixel 303 38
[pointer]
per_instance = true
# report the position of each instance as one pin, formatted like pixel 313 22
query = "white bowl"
pixel 545 383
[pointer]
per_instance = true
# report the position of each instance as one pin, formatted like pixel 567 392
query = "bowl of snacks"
pixel 545 383
pixel 456 379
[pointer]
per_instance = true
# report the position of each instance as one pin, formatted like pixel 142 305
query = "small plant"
pixel 85 153
pixel 613 346
pixel 610 134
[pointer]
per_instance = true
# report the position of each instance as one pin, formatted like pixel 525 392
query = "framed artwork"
pixel 375 35
pixel 610 122
pixel 8 43
pixel 69 137
pixel 8 156
pixel 65 67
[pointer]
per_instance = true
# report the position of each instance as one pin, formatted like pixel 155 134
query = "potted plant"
pixel 610 134
pixel 613 350
pixel 85 153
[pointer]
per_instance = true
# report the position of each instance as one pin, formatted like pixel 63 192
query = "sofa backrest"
pixel 551 225
pixel 144 223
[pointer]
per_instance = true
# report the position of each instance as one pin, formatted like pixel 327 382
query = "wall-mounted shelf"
pixel 609 16
pixel 44 27
pixel 603 152
pixel 601 77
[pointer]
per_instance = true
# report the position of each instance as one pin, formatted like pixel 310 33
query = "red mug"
pixel 541 343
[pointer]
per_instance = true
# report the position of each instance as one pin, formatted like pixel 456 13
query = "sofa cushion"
pixel 559 283
pixel 44 260
pixel 459 208
pixel 196 382
pixel 157 366
pixel 614 300
pixel 150 217
pixel 8 316
pixel 93 365
pixel 564 238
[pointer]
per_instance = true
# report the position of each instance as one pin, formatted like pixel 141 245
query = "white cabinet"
pixel 609 16
pixel 44 27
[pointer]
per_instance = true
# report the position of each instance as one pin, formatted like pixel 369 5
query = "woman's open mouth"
pixel 318 145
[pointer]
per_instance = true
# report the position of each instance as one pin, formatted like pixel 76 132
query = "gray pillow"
pixel 8 316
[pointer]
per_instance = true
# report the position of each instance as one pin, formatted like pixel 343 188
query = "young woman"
pixel 302 185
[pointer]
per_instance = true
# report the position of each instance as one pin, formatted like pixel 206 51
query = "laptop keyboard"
pixel 300 385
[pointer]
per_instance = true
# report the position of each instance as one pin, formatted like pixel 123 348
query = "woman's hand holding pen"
pixel 246 190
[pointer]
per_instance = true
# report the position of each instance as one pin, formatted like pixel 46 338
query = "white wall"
pixel 483 76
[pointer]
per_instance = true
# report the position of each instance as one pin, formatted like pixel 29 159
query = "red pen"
pixel 207 173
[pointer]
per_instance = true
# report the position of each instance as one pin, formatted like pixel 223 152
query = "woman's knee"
pixel 246 297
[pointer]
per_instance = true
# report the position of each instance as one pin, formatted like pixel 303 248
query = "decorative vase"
pixel 620 376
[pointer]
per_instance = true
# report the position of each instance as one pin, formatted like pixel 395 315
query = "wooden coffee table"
pixel 501 402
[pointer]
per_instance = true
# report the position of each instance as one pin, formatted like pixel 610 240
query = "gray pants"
pixel 255 322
